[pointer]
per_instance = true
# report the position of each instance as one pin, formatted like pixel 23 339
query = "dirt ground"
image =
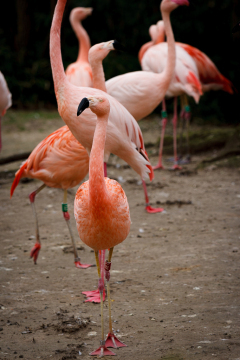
pixel 174 280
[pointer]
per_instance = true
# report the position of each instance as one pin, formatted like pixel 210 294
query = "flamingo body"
pixel 110 225
pixel 209 75
pixel 186 78
pixel 60 161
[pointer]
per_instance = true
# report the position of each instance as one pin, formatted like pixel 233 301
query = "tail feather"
pixel 18 176
pixel 194 80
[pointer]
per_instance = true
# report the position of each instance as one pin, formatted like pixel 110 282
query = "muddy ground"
pixel 174 280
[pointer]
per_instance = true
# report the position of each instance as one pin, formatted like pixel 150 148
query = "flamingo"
pixel 59 153
pixel 142 91
pixel 97 53
pixel 123 137
pixel 101 211
pixel 209 76
pixel 185 81
pixel 5 101
pixel 60 161
pixel 79 73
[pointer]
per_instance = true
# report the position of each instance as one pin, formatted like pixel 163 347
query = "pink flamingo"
pixel 79 73
pixel 60 161
pixel 123 138
pixel 210 77
pixel 102 212
pixel 5 101
pixel 185 81
pixel 142 91
pixel 97 53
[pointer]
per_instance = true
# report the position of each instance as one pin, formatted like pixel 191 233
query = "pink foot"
pixel 176 167
pixel 112 341
pixel 35 251
pixel 79 265
pixel 102 351
pixel 158 166
pixel 94 296
pixel 152 210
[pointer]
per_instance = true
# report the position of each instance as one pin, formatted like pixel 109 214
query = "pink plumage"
pixel 60 161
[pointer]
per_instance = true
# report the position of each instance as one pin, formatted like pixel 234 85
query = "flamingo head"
pixel 79 13
pixel 236 28
pixel 170 5
pixel 153 32
pixel 98 52
pixel 98 105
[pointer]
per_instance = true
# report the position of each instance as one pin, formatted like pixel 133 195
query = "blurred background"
pixel 205 24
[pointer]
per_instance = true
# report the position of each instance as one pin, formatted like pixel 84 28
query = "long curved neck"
pixel 55 46
pixel 171 60
pixel 98 74
pixel 83 39
pixel 98 194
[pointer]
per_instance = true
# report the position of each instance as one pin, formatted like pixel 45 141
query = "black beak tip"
pixel 118 46
pixel 84 104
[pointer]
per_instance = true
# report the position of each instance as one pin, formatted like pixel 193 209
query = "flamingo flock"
pixel 101 119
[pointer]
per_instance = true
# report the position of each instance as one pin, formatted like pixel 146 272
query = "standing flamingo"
pixel 142 91
pixel 102 212
pixel 185 81
pixel 123 137
pixel 60 161
pixel 79 73
pixel 209 76
pixel 5 101
pixel 97 53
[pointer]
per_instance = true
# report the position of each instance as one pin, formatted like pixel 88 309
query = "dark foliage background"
pixel 205 24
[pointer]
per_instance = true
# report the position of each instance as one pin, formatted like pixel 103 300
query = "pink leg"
pixel 36 248
pixel 66 216
pixel 164 123
pixel 149 208
pixel 94 295
pixel 111 340
pixel 105 169
pixel 102 350
pixel 175 166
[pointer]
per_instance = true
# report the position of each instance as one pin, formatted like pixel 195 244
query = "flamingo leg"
pixel 182 118
pixel 148 207
pixel 175 166
pixel 36 248
pixel 164 123
pixel 187 118
pixel 102 350
pixel 66 216
pixel 111 340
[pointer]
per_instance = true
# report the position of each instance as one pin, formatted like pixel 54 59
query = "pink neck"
pixel 171 60
pixel 98 74
pixel 55 46
pixel 83 38
pixel 98 195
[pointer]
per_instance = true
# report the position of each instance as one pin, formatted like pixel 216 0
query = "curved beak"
pixel 181 2
pixel 84 104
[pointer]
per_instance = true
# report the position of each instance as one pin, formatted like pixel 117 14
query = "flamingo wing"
pixel 208 72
